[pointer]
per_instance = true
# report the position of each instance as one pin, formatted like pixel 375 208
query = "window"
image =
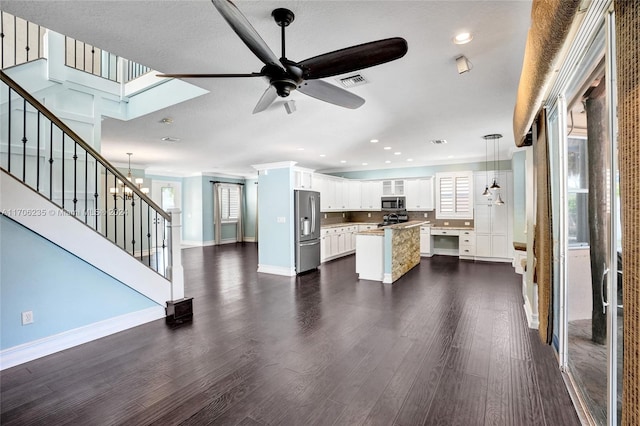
pixel 578 191
pixel 168 197
pixel 229 203
pixel 454 195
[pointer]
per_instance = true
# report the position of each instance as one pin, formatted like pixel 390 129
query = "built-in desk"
pixel 451 241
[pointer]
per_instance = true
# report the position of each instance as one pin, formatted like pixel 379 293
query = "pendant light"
pixel 486 191
pixel 495 137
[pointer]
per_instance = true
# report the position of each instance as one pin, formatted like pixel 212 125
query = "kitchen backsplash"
pixel 332 218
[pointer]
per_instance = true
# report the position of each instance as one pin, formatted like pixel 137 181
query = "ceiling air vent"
pixel 438 141
pixel 353 80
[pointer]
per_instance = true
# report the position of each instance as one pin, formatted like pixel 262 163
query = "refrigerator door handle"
pixel 312 205
pixel 310 243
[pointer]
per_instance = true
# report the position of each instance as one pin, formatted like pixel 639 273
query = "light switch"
pixel 446 224
pixel 281 219
pixel 467 223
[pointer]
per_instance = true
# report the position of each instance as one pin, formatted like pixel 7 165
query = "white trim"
pixel 277 270
pixel 58 342
pixel 531 309
pixel 249 239
pixel 277 165
pixel 446 252
pixel 387 278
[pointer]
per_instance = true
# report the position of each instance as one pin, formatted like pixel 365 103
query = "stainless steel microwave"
pixel 393 203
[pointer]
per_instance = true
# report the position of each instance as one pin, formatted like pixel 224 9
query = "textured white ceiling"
pixel 409 102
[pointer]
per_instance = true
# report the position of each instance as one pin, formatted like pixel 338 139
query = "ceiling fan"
pixel 286 76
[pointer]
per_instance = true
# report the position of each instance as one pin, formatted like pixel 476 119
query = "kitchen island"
pixel 385 254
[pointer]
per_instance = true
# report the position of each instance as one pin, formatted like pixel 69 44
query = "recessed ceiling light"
pixel 374 141
pixel 397 153
pixel 462 38
pixel 170 139
pixel 300 149
pixel 343 161
pixel 451 156
pixel 387 161
pixel 167 120
pixel 438 141
pixel 322 155
pixel 409 159
pixel 387 148
pixel 365 164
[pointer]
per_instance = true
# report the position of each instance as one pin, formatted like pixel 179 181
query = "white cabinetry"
pixel 354 197
pixel 425 241
pixel 337 241
pixel 493 221
pixel 302 178
pixel 419 194
pixel 371 194
pixel 393 187
pixel 467 244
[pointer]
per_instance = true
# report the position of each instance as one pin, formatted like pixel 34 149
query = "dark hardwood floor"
pixel 446 344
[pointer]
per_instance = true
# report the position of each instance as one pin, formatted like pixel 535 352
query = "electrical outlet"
pixel 325 215
pixel 281 219
pixel 343 215
pixel 426 215
pixel 368 214
pixel 27 317
pixel 446 224
pixel 467 223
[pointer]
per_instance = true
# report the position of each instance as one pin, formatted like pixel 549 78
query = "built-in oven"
pixel 393 203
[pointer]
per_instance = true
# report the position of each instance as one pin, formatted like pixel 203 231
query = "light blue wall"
pixel 275 198
pixel 63 292
pixel 421 171
pixel 519 196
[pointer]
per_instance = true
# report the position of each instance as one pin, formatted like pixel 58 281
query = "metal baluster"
pixel 124 217
pixel 164 238
pixel 26 48
pixel 50 160
pixel 155 224
pixel 149 233
pixel 115 210
pixel 38 156
pixel 86 181
pixel 133 225
pixel 2 38
pixel 95 194
pixel 141 240
pixel 75 178
pixel 9 132
pixel 24 139
pixel 62 154
pixel 15 38
pixel 106 198
pixel 75 54
pixel 93 58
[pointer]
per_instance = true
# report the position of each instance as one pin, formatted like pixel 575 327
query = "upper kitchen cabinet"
pixel 393 187
pixel 302 178
pixel 419 194
pixel 354 194
pixel 454 199
pixel 371 195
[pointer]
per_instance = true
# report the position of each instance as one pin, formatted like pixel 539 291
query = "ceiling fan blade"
pixel 354 58
pixel 254 74
pixel 267 99
pixel 329 93
pixel 246 32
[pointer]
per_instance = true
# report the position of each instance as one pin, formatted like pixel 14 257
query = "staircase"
pixel 62 201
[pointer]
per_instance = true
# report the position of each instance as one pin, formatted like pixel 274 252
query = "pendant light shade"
pixel 495 185
pixel 499 200
pixel 486 192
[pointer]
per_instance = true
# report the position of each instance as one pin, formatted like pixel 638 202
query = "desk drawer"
pixel 453 232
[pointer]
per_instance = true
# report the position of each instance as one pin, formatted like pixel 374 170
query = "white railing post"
pixel 175 272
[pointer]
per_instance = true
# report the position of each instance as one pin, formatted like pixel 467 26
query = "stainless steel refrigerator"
pixel 307 229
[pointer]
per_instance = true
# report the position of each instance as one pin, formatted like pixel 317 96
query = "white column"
pixel 175 272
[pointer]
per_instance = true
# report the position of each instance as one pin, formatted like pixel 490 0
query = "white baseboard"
pixel 48 345
pixel 249 239
pixel 532 319
pixel 446 252
pixel 387 279
pixel 277 270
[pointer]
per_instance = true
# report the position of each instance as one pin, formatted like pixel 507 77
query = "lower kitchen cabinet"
pixel 425 241
pixel 467 244
pixel 337 241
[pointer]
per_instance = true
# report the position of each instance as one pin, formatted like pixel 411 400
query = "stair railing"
pixel 37 148
pixel 20 40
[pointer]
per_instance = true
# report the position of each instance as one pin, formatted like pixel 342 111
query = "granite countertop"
pixel 459 228
pixel 403 225
pixel 340 225
pixel 376 232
